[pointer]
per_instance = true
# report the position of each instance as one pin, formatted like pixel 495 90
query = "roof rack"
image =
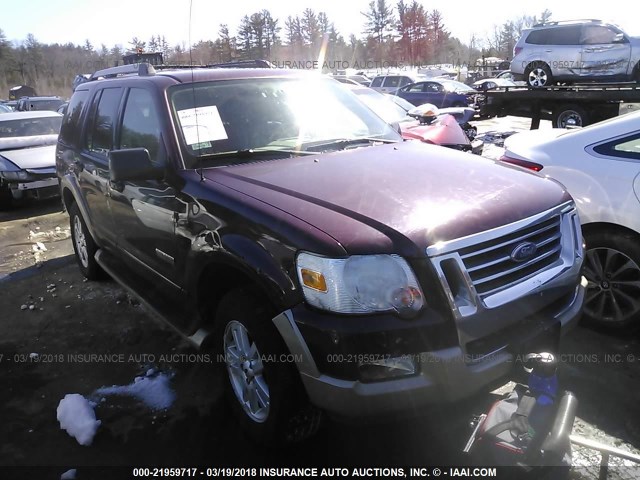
pixel 560 22
pixel 141 69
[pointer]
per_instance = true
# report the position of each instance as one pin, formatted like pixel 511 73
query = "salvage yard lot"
pixel 60 334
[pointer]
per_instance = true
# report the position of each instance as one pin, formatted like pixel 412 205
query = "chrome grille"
pixel 490 264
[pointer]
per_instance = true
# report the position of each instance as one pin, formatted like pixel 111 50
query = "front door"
pixel 144 211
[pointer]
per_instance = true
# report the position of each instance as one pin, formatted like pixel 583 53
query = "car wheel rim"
pixel 81 242
pixel 569 118
pixel 613 290
pixel 246 372
pixel 538 77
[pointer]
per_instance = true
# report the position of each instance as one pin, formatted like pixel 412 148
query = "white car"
pixel 27 155
pixel 600 167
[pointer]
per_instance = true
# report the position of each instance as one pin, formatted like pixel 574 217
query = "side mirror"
pixel 132 164
pixel 619 38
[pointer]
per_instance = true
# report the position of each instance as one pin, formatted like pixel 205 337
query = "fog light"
pixel 387 368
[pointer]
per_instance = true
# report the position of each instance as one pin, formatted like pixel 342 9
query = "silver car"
pixel 27 155
pixel 575 50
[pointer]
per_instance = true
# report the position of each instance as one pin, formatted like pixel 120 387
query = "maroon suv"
pixel 272 217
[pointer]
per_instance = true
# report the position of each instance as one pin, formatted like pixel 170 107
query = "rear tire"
pixel 570 116
pixel 538 75
pixel 6 199
pixel 612 268
pixel 265 393
pixel 83 245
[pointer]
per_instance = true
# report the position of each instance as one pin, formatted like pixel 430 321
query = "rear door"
pixel 414 93
pixel 93 165
pixel 606 51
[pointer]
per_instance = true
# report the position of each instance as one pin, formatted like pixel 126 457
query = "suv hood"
pixel 397 198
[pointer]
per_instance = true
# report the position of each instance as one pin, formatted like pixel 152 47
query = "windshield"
pixel 453 86
pixel 27 127
pixel 383 106
pixel 269 114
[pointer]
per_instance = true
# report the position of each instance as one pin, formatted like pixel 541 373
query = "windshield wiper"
pixel 344 143
pixel 252 154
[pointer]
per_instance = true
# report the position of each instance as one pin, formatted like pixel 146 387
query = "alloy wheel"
pixel 613 290
pixel 81 242
pixel 538 77
pixel 246 372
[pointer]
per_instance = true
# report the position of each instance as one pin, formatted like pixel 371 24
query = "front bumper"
pixel 49 182
pixel 444 375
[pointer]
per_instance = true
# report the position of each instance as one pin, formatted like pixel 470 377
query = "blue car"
pixel 441 93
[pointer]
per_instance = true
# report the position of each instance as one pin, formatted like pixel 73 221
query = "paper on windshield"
pixel 201 124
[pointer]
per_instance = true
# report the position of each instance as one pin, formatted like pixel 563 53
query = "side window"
pixel 416 87
pixel 627 147
pixel 433 87
pixel 392 82
pixel 537 37
pixel 569 35
pixel 377 82
pixel 100 135
pixel 595 34
pixel 140 124
pixel 71 120
pixel 405 81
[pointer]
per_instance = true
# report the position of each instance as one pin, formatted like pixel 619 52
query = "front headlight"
pixel 359 284
pixel 13 176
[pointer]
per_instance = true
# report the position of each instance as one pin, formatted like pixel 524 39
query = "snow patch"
pixel 76 416
pixel 153 391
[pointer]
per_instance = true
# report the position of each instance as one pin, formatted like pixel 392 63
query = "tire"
pixel 6 199
pixel 83 245
pixel 612 268
pixel 570 116
pixel 538 75
pixel 277 410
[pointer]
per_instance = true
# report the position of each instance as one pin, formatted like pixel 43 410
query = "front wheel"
pixel 612 269
pixel 263 389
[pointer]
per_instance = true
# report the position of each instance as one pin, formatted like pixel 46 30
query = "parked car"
pixel 426 126
pixel 441 93
pixel 492 83
pixel 575 50
pixel 62 109
pixel 27 104
pixel 27 155
pixel 390 83
pixel 600 166
pixel 357 79
pixel 329 265
pixel 508 75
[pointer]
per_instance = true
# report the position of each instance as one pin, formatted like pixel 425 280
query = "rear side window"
pixel 405 81
pixel 377 82
pixel 627 147
pixel 71 121
pixel 100 135
pixel 392 82
pixel 569 35
pixel 140 124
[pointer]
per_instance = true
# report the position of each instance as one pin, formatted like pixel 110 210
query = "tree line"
pixel 402 34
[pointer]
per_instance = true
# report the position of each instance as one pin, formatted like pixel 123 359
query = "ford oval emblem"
pixel 524 251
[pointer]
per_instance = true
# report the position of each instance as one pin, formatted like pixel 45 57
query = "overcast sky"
pixel 117 21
